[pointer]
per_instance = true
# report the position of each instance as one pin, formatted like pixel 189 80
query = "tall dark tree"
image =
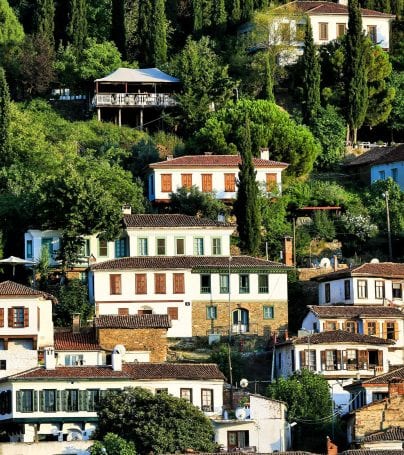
pixel 118 29
pixel 234 10
pixel 219 16
pixel 246 206
pixel 45 20
pixel 355 72
pixel 5 149
pixel 311 78
pixel 197 15
pixel 247 9
pixel 268 91
pixel 159 33
pixel 144 31
pixel 77 24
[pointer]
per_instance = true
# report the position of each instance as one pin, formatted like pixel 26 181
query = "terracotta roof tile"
pixel 170 220
pixel 69 341
pixel 129 371
pixel 152 321
pixel 10 288
pixel 188 262
pixel 381 269
pixel 340 336
pixel 213 161
pixel 373 452
pixel 395 373
pixel 378 155
pixel 355 311
pixel 391 434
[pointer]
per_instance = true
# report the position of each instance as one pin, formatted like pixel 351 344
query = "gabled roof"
pixel 318 8
pixel 152 75
pixel 340 336
pixel 202 161
pixel 139 371
pixel 396 373
pixel 380 269
pixel 170 220
pixel 391 434
pixel 69 341
pixel 379 155
pixel 10 288
pixel 136 321
pixel 194 263
pixel 355 311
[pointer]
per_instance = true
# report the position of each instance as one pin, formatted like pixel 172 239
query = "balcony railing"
pixel 236 329
pixel 134 99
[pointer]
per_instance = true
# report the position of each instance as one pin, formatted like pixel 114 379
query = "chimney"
pixel 332 449
pixel 343 2
pixel 169 157
pixel 76 323
pixel 116 357
pixel 264 153
pixel 50 359
pixel 127 209
pixel 335 263
pixel 288 251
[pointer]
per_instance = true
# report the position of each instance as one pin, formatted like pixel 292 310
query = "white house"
pixel 201 294
pixel 338 355
pixel 215 174
pixel 25 326
pixel 52 401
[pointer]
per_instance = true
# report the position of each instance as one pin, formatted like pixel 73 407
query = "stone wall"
pixel 258 325
pixel 153 340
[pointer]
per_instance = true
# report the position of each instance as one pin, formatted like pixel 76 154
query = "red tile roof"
pixel 355 311
pixel 381 269
pixel 10 288
pixel 170 220
pixel 69 341
pixel 373 452
pixel 150 321
pixel 132 371
pixel 213 161
pixel 340 336
pixel 379 155
pixel 188 262
pixel 395 373
pixel 391 434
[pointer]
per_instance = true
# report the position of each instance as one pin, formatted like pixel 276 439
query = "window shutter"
pixel 41 400
pixel 207 183
pixel 271 182
pixel 166 183
pixel 58 399
pixel 160 283
pixel 1 317
pixel 173 313
pixel 395 336
pixel 323 360
pixel 365 328
pixel 115 284
pixel 363 359
pixel 82 400
pixel 339 360
pixel 34 401
pixel 302 359
pixel 9 402
pixel 18 400
pixel 26 317
pixel 178 283
pixel 141 283
pixel 380 358
pixel 65 400
pixel 10 317
pixel 384 330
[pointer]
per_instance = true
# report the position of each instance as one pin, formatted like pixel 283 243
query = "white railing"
pixel 133 99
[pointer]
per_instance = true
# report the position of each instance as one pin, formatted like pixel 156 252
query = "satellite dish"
pixel 374 261
pixel 243 383
pixel 241 414
pixel 119 349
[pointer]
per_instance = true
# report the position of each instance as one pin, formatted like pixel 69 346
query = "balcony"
pixel 134 100
pixel 236 329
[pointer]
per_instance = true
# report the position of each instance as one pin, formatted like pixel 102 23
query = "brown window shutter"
pixel 271 182
pixel 323 359
pixel 1 317
pixel 115 284
pixel 365 327
pixel 379 358
pixel 363 358
pixel 123 311
pixel 229 182
pixel 384 330
pixel 141 283
pixel 173 313
pixel 339 360
pixel 10 317
pixel 302 359
pixel 26 317
pixel 178 279
pixel 186 180
pixel 160 283
pixel 395 337
pixel 207 183
pixel 166 183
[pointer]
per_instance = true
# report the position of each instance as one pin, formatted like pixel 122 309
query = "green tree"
pixel 11 31
pixel 268 92
pixel 77 24
pixel 144 32
pixel 5 147
pixel 197 15
pixel 246 206
pixel 247 9
pixel 234 10
pixel 159 33
pixel 355 71
pixel 45 19
pixel 219 17
pixel 160 423
pixel 396 120
pixel 118 29
pixel 113 444
pixel 220 356
pixel 99 19
pixel 311 78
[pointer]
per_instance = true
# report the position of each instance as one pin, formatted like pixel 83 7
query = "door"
pixel 240 321
pixel 237 439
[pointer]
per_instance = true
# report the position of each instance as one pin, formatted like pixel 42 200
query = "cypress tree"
pixel 77 24
pixel 268 92
pixel 356 88
pixel 219 16
pixel 311 78
pixel 5 149
pixel 247 9
pixel 234 10
pixel 246 206
pixel 144 32
pixel 197 15
pixel 45 20
pixel 118 30
pixel 159 34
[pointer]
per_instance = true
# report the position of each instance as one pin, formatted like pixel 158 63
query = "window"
pixel 180 246
pixel 85 248
pixel 347 289
pixel 371 328
pixel 123 311
pixel 379 289
pixel 161 247
pixel 394 174
pixel 351 326
pixel 173 313
pixel 102 248
pixel 205 284
pixel 207 183
pixel 378 396
pixel 186 180
pixel 142 247
pixel 229 183
pixel 29 249
pixel 141 283
pixel 121 248
pixel 330 325
pixel 308 359
pixel 284 32
pixel 207 400
pixel 382 175
pixel 186 394
pixel 331 359
pixel 224 283
pixel 47 400
pixel 244 284
pixel 323 30
pixel 351 359
pixel 74 359
pixel 161 390
pixel 18 317
pixel 48 243
pixel 144 310
pixel 362 289
pixel 25 400
pixel 115 284
pixel 72 400
pixel 263 286
pixel 211 312
pixel 372 33
pixel 93 398
pixel 391 331
pixel 216 246
pixel 3 365
pixel 268 312
pixel 270 182
pixel 178 283
pixel 341 29
pixel 166 183
pixel 159 283
pixel 327 291
pixel 198 246
pixel 300 32
pixel 397 291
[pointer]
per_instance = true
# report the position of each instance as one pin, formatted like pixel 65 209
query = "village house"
pixel 209 173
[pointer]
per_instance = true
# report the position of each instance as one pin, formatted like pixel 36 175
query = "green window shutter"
pixel 41 400
pixel 18 399
pixel 34 401
pixel 83 405
pixel 58 399
pixel 9 407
